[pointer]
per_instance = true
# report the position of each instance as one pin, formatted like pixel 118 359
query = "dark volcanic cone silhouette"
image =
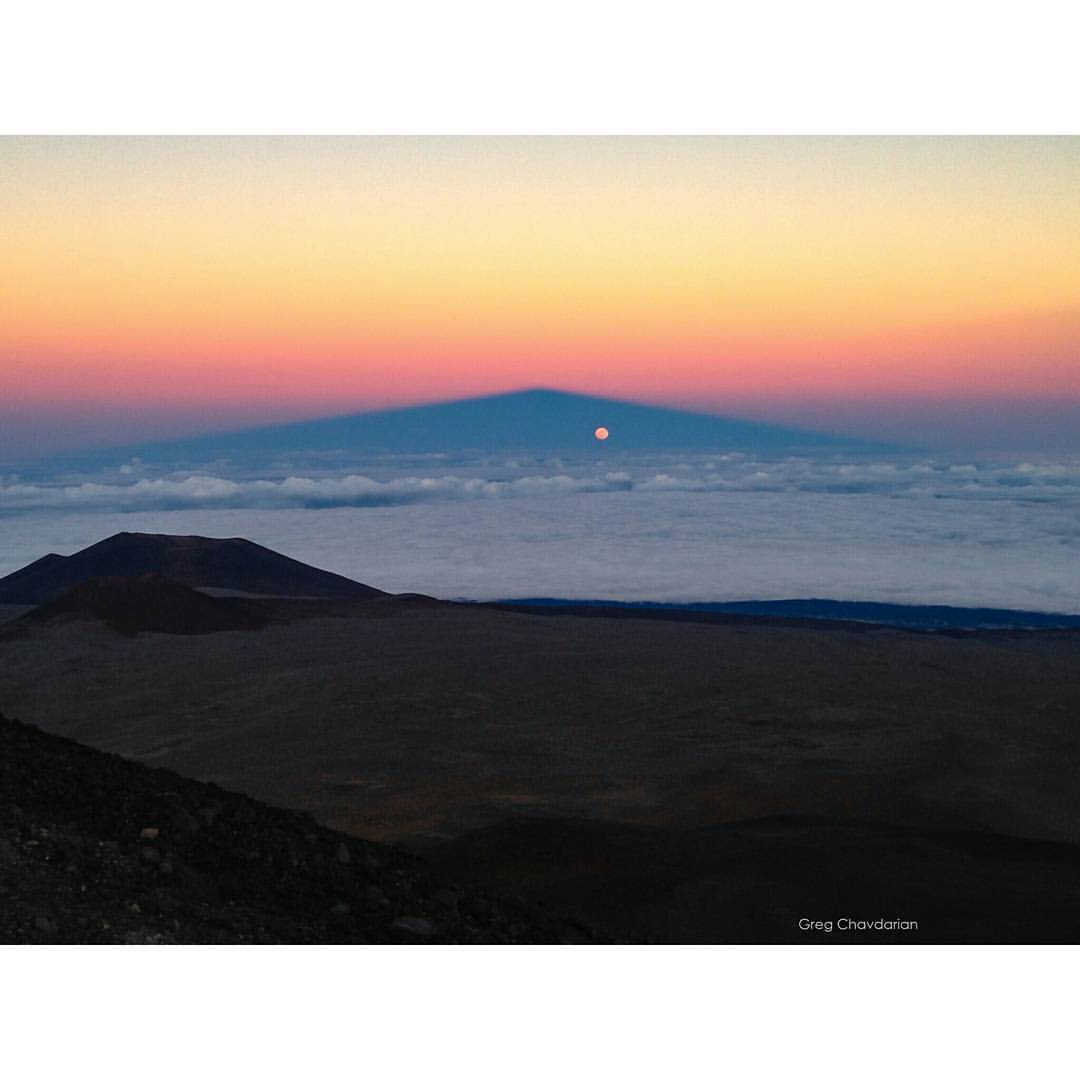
pixel 147 603
pixel 199 562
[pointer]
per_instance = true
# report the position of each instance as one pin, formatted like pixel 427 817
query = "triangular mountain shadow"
pixel 526 420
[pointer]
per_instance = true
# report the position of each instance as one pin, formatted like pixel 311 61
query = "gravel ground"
pixel 96 849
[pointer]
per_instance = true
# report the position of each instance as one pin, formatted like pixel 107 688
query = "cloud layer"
pixel 720 527
pixel 703 474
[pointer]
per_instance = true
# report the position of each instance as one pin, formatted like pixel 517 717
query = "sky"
pixel 920 288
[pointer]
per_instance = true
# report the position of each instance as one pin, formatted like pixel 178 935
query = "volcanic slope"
pixel 146 603
pixel 98 850
pixel 233 564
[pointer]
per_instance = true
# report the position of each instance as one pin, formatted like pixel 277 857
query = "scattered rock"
pixel 415 925
pixel 183 823
pixel 46 926
pixel 475 906
pixel 447 898
pixel 276 879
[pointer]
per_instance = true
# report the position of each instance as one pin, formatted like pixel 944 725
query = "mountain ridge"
pixel 809 611
pixel 193 561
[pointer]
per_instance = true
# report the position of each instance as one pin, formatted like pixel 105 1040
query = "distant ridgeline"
pixel 909 616
pixel 525 420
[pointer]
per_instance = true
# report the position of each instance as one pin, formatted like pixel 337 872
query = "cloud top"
pixel 511 479
pixel 657 527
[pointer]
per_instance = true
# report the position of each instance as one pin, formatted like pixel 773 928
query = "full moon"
pixel 601 433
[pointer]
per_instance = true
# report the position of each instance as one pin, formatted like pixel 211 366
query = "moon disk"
pixel 601 433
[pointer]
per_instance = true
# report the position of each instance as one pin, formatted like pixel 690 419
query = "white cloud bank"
pixel 722 527
pixel 701 474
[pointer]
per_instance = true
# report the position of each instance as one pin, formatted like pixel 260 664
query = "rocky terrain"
pixel 680 777
pixel 98 850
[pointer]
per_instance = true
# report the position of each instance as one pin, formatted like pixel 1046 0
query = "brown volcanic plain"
pixel 556 755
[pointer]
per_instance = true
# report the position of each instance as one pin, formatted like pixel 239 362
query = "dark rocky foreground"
pixel 682 777
pixel 784 880
pixel 95 849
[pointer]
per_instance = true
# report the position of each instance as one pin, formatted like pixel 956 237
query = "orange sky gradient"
pixel 181 284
